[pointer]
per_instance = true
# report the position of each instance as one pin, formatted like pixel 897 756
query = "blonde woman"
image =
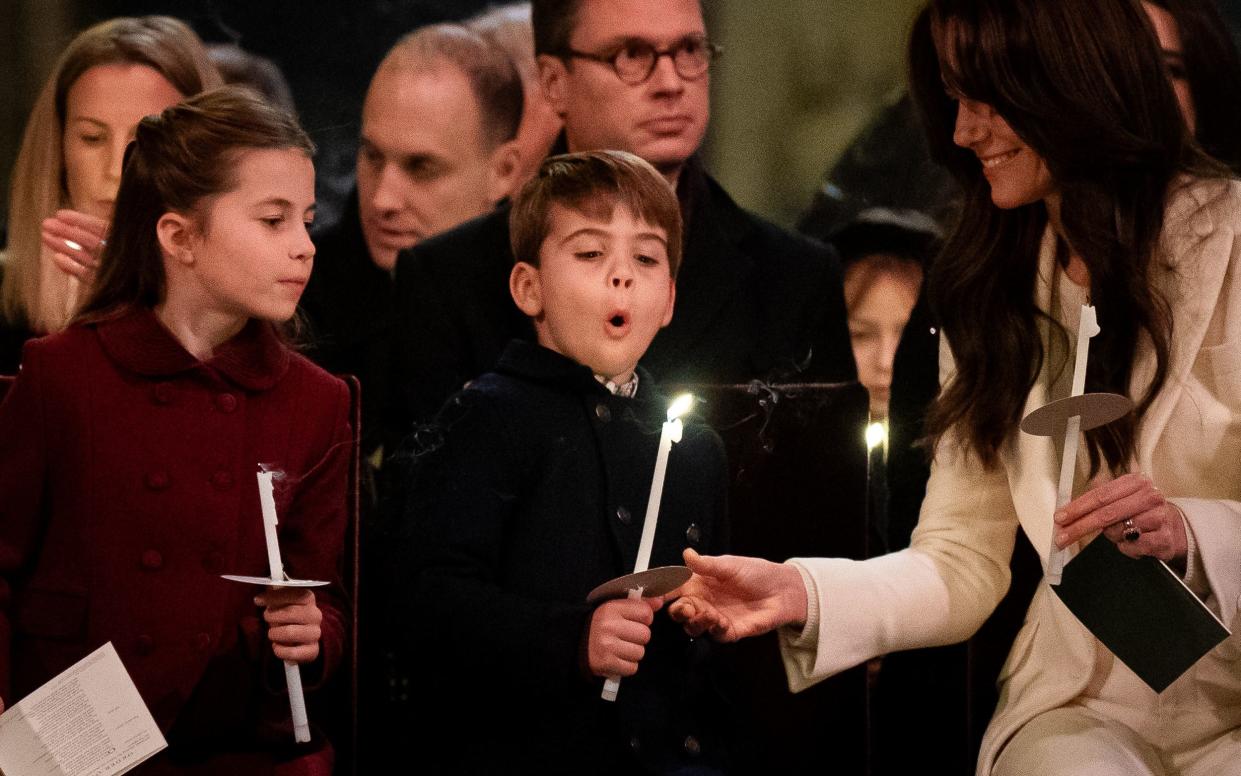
pixel 67 172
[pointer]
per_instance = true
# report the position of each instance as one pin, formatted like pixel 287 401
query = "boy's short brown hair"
pixel 593 183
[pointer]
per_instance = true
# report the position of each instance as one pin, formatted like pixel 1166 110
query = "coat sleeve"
pixel 23 474
pixel 461 502
pixel 313 535
pixel 938 591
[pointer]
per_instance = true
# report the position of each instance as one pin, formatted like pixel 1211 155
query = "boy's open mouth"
pixel 618 323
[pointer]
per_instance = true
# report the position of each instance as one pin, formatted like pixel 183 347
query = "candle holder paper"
pixel 269 582
pixel 652 582
pixel 277 578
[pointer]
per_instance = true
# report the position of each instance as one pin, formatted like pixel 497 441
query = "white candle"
pixel 292 675
pixel 267 501
pixel 671 434
pixel 1087 327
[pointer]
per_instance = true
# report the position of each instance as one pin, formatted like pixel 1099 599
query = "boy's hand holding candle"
pixel 620 629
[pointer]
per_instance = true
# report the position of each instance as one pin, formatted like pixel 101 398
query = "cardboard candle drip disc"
pixel 653 582
pixel 269 582
pixel 1095 409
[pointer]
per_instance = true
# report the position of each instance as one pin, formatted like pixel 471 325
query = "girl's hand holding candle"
pixel 293 620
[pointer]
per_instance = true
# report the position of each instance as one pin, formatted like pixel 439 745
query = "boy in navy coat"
pixel 530 490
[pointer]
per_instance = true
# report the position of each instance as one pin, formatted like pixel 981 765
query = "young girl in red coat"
pixel 129 445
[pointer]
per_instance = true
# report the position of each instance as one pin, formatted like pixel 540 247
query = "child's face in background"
pixel 602 290
pixel 252 252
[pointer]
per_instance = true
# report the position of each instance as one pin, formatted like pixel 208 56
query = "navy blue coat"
pixel 528 492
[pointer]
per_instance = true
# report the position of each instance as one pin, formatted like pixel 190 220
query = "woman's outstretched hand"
pixel 734 597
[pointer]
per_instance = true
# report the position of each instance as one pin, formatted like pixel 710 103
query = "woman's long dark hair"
pixel 178 158
pixel 1213 70
pixel 1083 84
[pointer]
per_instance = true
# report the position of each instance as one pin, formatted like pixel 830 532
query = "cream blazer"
pixel 945 585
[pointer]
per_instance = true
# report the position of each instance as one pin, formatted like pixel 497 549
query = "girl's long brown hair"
pixel 1082 83
pixel 180 157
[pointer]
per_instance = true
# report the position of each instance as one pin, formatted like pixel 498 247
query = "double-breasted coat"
pixel 530 491
pixel 127 486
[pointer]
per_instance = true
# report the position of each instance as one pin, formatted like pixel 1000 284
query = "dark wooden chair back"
pixel 797 455
pixel 337 706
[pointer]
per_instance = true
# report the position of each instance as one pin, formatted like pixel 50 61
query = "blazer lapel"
pixel 1195 255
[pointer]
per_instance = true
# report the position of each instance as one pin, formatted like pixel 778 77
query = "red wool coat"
pixel 127 486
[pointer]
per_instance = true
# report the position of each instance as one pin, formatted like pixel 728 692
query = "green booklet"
pixel 1141 610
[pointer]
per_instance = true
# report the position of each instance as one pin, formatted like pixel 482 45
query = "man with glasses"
pixel 753 301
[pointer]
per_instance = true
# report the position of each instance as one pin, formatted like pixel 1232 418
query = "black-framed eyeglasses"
pixel 635 60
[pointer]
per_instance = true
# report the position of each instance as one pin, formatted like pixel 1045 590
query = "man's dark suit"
pixel 753 302
pixel 348 312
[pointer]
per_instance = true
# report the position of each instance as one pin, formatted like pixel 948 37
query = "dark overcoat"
pixel 753 302
pixel 348 313
pixel 127 486
pixel 528 492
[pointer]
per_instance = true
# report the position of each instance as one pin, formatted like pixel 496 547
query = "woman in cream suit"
pixel 1082 184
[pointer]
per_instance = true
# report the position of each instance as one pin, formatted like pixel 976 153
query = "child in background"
pixel 131 441
pixel 535 493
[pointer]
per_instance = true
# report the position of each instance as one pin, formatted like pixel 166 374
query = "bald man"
pixel 437 148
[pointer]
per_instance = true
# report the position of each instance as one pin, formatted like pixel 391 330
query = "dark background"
pixel 799 77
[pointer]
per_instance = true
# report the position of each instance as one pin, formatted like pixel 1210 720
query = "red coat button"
pixel 152 560
pixel 226 402
pixel 144 645
pixel 222 480
pixel 157 480
pixel 162 393
pixel 213 562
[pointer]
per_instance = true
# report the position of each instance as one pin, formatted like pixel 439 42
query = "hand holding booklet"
pixel 1141 610
pixel 88 721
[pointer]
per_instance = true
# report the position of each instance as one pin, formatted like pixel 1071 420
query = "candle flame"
pixel 683 404
pixel 876 434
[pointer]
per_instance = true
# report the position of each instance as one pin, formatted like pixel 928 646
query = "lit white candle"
pixel 671 434
pixel 292 675
pixel 1087 327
